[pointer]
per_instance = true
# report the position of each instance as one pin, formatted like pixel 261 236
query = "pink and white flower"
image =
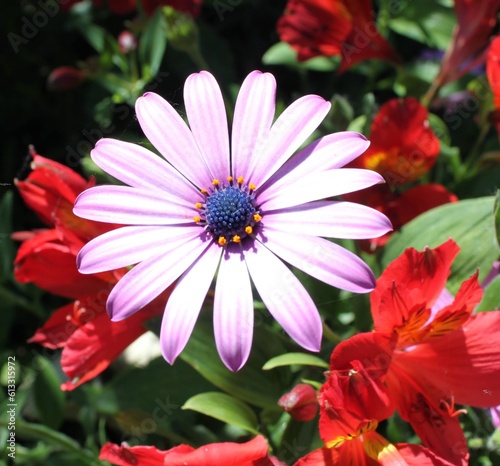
pixel 230 207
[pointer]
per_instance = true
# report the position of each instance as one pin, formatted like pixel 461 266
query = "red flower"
pixel 301 402
pixel 403 145
pixel 352 402
pixel 252 453
pixel 334 27
pixel 90 341
pixel 47 258
pixel 430 356
pixel 475 24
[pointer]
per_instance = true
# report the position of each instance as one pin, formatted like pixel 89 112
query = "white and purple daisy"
pixel 231 207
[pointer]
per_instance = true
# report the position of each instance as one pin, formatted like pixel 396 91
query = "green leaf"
pixel 470 223
pixel 225 408
pixel 289 359
pixel 152 45
pixel 491 297
pixel 49 398
pixel 283 53
pixel 95 35
pixel 496 213
pixel 425 21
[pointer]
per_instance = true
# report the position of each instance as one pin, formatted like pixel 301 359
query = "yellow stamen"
pixel 257 217
pixel 215 182
pixel 248 230
pixel 197 219
pixel 230 178
pixel 240 180
pixel 252 187
pixel 236 239
pixel 222 241
pixel 204 191
pixel 198 205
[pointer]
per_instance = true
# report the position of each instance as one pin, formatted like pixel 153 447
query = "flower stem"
pixel 8 297
pixel 330 335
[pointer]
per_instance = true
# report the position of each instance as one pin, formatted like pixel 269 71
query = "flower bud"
pixel 127 42
pixel 65 78
pixel 301 402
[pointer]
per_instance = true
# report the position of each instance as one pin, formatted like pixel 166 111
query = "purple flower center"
pixel 230 211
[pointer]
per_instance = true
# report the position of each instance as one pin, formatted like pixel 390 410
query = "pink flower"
pixel 233 207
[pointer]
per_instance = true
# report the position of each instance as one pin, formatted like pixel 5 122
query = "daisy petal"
pixel 140 168
pixel 331 151
pixel 284 296
pixel 208 121
pixel 288 132
pixel 321 259
pixel 233 310
pixel 112 250
pixel 320 185
pixel 253 117
pixel 148 279
pixel 133 206
pixel 185 303
pixel 168 132
pixel 331 219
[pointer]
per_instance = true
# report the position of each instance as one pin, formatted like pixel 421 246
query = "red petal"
pixel 67 319
pixel 252 453
pixel 420 199
pixel 349 453
pixel 135 456
pixel 372 349
pixel 426 271
pixel 464 364
pixel 416 455
pixel 364 40
pixel 352 403
pixel 453 316
pixel 314 27
pixel 403 145
pixel 93 346
pixel 44 251
pixel 422 403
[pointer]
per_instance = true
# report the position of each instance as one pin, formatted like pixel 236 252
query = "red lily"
pixel 334 27
pixel 47 257
pixel 252 453
pixel 403 145
pixel 352 402
pixel 429 356
pixel 475 24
